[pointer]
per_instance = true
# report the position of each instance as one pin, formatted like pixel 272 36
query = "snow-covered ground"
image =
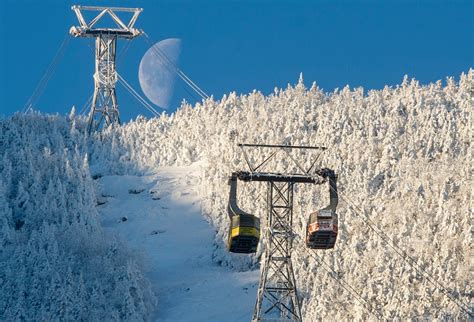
pixel 403 156
pixel 164 223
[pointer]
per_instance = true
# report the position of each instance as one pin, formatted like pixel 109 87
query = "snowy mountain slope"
pixel 164 223
pixel 56 263
pixel 403 156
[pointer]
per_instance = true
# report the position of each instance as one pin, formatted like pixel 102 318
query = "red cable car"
pixel 321 230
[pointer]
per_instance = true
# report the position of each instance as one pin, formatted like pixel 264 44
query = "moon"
pixel 156 73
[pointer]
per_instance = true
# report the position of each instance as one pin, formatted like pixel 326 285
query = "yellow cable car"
pixel 321 230
pixel 244 232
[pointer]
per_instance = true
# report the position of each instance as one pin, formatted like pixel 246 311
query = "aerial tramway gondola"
pixel 244 232
pixel 321 230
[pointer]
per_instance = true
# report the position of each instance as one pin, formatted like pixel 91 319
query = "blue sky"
pixel 240 46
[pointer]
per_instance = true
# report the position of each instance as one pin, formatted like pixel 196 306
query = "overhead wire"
pixel 178 71
pixel 43 82
pixel 400 252
pixel 407 258
pixel 137 96
pixel 185 78
pixel 159 55
pixel 120 57
pixel 89 100
pixel 123 51
pixel 86 105
pixel 334 275
pixel 169 65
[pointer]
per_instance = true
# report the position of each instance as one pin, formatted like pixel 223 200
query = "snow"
pixel 403 156
pixel 56 262
pixel 165 224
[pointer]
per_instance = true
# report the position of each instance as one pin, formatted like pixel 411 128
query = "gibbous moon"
pixel 157 74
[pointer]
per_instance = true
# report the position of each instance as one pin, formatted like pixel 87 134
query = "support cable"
pixel 137 96
pixel 333 274
pixel 407 258
pixel 42 84
pixel 181 74
pixel 176 69
pixel 86 105
pixel 129 87
pixel 170 68
pixel 123 51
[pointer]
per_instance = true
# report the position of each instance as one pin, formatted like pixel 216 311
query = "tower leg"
pixel 104 105
pixel 277 297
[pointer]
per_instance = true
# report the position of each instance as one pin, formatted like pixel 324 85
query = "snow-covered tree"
pixel 402 155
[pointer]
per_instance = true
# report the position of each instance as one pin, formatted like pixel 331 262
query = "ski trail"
pixel 164 224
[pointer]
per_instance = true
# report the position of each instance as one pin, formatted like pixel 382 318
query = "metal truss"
pixel 277 297
pixel 123 30
pixel 278 148
pixel 104 106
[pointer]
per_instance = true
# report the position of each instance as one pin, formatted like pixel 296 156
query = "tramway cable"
pixel 334 275
pixel 176 69
pixel 86 30
pixel 137 96
pixel 123 51
pixel 86 105
pixel 125 84
pixel 43 82
pixel 170 67
pixel 407 258
pixel 180 73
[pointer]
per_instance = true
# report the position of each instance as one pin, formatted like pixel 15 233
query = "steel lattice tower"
pixel 277 297
pixel 104 103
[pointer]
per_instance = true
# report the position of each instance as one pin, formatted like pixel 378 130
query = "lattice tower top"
pixel 121 29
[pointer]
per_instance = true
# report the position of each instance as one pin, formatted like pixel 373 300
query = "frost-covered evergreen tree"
pixel 53 251
pixel 402 155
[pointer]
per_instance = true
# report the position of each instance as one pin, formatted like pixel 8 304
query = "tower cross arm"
pixel 121 29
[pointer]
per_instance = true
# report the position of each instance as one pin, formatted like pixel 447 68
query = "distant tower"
pixel 104 104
